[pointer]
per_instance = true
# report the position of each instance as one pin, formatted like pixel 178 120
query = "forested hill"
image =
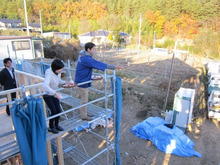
pixel 167 17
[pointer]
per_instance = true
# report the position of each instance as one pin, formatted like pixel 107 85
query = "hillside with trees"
pixel 183 19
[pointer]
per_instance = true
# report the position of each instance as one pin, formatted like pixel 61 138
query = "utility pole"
pixel 69 31
pixel 139 43
pixel 26 17
pixel 154 39
pixel 41 29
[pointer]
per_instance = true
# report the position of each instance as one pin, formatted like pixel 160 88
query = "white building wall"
pixel 84 39
pixel 7 50
pixel 2 24
pixel 96 40
pixel 104 40
pixel 62 35
pixel 48 34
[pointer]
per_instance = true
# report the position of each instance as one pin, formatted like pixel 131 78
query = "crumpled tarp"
pixel 171 141
pixel 31 131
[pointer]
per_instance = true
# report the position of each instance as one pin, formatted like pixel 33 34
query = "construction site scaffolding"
pixel 32 85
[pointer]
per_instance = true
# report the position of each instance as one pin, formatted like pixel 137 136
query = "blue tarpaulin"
pixel 118 114
pixel 43 68
pixel 31 130
pixel 172 141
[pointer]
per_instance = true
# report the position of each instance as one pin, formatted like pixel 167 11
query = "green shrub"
pixel 206 43
pixel 168 43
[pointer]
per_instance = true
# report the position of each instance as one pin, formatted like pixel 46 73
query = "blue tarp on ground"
pixel 172 141
pixel 31 131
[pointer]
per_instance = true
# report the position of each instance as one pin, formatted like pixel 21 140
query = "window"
pixel 38 49
pixel 21 45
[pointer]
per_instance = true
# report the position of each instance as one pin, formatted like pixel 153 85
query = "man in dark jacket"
pixel 7 79
pixel 83 73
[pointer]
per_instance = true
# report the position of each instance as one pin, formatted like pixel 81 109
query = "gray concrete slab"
pixel 5 125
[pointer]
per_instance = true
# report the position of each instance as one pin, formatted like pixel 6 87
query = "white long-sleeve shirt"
pixel 51 82
pixel 10 71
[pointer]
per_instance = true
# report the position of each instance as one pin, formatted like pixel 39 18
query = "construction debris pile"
pixel 62 51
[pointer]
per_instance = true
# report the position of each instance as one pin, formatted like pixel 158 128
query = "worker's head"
pixel 90 47
pixel 7 62
pixel 57 66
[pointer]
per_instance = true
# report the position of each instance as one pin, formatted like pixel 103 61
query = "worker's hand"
pixel 72 82
pixel 58 96
pixel 67 83
pixel 119 67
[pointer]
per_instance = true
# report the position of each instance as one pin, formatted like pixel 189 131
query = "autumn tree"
pixel 117 38
pixel 183 26
pixel 89 10
pixel 110 37
pixel 84 26
pixel 110 22
pixel 11 10
pixel 157 20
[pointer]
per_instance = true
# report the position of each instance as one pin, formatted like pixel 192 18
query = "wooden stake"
pixel 49 153
pixel 168 88
pixel 60 150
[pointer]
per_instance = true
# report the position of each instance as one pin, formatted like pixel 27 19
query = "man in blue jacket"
pixel 83 73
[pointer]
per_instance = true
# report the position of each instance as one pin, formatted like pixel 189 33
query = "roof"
pixel 61 32
pixel 17 37
pixel 100 33
pixel 95 33
pixel 4 20
pixel 56 33
pixel 35 25
pixel 123 34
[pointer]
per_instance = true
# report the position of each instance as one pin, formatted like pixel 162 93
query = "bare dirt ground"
pixel 144 83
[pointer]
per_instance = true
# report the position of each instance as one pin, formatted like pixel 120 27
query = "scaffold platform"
pixel 75 121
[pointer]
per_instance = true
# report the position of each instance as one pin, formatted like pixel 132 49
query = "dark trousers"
pixel 54 106
pixel 13 96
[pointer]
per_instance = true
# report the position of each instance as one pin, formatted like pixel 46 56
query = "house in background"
pixel 100 37
pixel 126 37
pixel 60 35
pixel 10 23
pixel 19 47
pixel 34 27
pixel 97 37
pixel 17 24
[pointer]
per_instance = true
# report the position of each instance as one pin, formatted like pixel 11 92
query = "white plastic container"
pixel 183 107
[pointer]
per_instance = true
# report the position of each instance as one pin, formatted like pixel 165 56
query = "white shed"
pixel 18 47
pixel 60 35
pixel 183 107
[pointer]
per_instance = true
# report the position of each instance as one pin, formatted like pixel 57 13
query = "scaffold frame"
pixel 28 80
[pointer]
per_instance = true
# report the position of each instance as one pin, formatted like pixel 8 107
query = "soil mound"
pixel 63 52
